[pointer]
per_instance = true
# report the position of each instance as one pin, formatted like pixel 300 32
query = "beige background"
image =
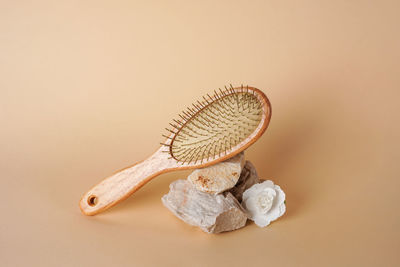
pixel 87 87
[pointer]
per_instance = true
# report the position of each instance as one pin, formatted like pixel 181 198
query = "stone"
pixel 248 177
pixel 219 177
pixel 212 213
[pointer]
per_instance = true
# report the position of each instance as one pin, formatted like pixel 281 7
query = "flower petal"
pixel 280 198
pixel 261 221
pixel 250 202
pixel 267 183
pixel 250 205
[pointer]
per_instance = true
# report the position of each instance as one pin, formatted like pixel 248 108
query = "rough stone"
pixel 248 177
pixel 219 177
pixel 212 213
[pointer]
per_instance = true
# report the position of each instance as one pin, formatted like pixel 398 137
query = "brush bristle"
pixel 214 125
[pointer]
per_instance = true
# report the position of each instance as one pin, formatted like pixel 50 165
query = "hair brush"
pixel 210 131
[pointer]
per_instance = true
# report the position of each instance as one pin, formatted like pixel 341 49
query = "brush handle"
pixel 123 183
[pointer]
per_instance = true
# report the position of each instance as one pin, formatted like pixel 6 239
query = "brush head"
pixel 218 126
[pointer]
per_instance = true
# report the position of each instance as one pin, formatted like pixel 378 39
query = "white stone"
pixel 247 178
pixel 219 177
pixel 212 213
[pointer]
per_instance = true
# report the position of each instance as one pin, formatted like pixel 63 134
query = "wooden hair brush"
pixel 214 129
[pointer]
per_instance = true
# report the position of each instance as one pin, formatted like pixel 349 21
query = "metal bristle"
pixel 165 144
pixel 175 126
pixel 178 121
pixel 206 100
pixel 216 95
pixel 183 118
pixel 213 126
pixel 170 131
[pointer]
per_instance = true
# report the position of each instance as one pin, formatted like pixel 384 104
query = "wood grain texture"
pixel 124 183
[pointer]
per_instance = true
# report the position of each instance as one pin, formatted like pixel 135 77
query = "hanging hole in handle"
pixel 92 200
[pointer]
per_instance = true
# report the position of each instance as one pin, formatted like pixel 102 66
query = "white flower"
pixel 264 202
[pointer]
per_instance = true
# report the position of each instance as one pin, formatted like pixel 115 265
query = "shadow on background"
pixel 289 154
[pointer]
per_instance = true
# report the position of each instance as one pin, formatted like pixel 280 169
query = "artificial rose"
pixel 264 202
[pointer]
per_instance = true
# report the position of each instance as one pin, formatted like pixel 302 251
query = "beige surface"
pixel 87 87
